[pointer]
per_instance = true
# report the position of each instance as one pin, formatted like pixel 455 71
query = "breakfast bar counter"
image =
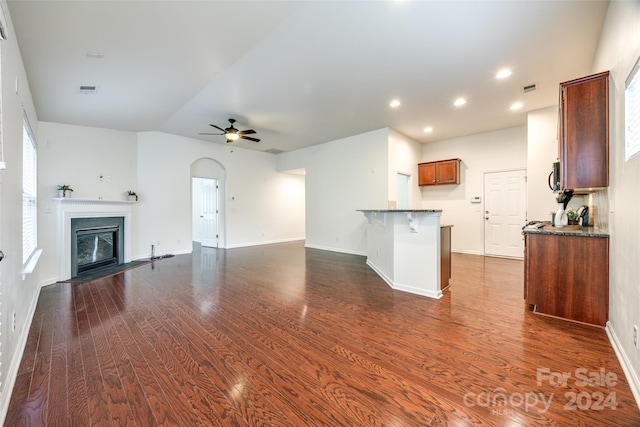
pixel 404 247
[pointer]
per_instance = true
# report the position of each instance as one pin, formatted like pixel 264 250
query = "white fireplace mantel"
pixel 68 208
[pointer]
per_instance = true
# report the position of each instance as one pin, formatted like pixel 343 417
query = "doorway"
pixel 208 182
pixel 205 211
pixel 403 194
pixel 505 213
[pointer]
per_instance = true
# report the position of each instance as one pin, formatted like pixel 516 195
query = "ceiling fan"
pixel 232 134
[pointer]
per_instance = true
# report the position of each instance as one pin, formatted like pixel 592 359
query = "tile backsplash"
pixel 599 209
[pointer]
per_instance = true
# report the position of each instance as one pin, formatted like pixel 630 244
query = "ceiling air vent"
pixel 274 151
pixel 88 89
pixel 529 88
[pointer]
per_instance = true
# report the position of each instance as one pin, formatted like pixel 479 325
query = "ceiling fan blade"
pixel 249 138
pixel 217 127
pixel 246 132
pixel 203 133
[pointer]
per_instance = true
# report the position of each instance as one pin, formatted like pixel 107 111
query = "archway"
pixel 208 183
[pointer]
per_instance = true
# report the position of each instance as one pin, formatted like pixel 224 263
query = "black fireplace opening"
pixel 96 243
pixel 97 247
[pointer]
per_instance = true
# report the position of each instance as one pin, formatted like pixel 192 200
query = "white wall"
pixel 618 51
pixel 341 177
pixel 261 205
pixel 404 156
pixel 16 294
pixel 500 150
pixel 542 151
pixel 77 156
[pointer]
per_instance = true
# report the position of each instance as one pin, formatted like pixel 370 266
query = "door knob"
pixel 1 255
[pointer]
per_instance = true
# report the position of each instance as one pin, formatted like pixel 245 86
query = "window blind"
pixel 29 193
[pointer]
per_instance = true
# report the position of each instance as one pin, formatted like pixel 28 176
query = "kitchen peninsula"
pixel 409 249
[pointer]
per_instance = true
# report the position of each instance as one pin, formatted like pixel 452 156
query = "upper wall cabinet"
pixel 438 173
pixel 584 132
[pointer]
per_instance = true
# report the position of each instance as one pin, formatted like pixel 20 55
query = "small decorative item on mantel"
pixel 132 196
pixel 64 191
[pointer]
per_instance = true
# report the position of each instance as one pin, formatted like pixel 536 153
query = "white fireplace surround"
pixel 67 208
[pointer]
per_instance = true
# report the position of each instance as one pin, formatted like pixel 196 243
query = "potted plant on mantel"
pixel 64 191
pixel 132 196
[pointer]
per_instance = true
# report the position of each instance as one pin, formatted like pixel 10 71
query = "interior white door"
pixel 209 213
pixel 505 213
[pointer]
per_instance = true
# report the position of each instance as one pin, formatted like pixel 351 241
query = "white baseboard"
pixel 332 249
pixel 629 372
pixel 47 282
pixel 265 242
pixel 12 375
pixel 404 288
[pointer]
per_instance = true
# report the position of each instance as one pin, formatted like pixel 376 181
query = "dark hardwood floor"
pixel 281 335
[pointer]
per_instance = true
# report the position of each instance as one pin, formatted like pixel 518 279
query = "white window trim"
pixel 632 113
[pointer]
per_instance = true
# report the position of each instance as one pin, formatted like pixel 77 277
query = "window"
pixel 632 113
pixel 29 193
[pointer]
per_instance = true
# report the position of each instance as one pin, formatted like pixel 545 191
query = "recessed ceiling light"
pixel 428 129
pixel 504 73
pixel 516 106
pixel 460 102
pixel 395 103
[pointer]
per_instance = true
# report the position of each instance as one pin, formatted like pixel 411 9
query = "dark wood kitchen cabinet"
pixel 567 276
pixel 440 172
pixel 584 132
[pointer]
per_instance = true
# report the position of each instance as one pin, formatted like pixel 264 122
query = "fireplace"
pixel 96 243
pixel 111 246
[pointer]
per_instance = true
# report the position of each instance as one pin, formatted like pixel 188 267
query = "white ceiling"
pixel 301 73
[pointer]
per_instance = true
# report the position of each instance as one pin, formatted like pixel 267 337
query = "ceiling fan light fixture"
pixel 232 135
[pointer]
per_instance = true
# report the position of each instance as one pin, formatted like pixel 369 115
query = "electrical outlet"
pixel 635 337
pixel 13 322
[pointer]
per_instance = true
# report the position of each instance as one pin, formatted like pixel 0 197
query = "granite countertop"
pixel 567 230
pixel 399 210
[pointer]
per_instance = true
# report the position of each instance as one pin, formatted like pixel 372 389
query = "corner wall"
pixel 341 177
pixel 404 156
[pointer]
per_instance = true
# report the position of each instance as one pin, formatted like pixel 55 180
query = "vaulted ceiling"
pixel 301 72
